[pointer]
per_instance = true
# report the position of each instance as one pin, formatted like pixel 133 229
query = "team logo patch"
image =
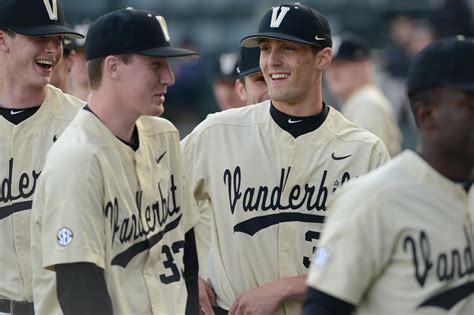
pixel 64 236
pixel 322 256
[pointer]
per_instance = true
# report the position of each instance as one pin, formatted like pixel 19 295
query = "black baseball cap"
pixel 447 62
pixel 35 18
pixel 224 67
pixel 351 48
pixel 131 31
pixel 292 22
pixel 249 61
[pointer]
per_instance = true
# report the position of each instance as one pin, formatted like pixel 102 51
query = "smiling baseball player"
pixel 33 115
pixel 269 169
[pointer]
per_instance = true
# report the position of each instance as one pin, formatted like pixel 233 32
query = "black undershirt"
pixel 317 302
pixel 135 144
pixel 82 290
pixel 296 125
pixel 17 115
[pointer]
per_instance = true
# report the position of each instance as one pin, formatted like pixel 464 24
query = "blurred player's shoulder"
pixel 347 131
pixel 64 106
pixel 151 125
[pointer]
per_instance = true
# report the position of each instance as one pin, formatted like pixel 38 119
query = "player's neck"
pixel 17 95
pixel 108 110
pixel 310 105
pixel 449 165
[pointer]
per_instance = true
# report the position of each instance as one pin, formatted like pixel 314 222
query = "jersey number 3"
pixel 175 273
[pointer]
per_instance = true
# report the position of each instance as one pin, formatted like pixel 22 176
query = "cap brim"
pixel 249 71
pixel 253 40
pixel 48 30
pixel 167 52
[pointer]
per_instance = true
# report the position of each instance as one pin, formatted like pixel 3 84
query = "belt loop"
pixel 12 307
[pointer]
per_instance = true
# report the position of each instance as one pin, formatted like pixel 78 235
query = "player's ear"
pixel 3 41
pixel 111 67
pixel 425 115
pixel 324 58
pixel 240 90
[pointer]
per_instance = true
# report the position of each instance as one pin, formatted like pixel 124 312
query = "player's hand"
pixel 207 297
pixel 262 301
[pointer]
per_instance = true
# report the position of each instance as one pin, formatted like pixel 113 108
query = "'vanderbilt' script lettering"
pixel 447 265
pixel 147 219
pixel 14 191
pixel 26 185
pixel 266 198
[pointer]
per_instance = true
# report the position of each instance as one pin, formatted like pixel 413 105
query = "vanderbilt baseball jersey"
pixel 371 110
pixel 399 241
pixel 126 211
pixel 268 191
pixel 23 149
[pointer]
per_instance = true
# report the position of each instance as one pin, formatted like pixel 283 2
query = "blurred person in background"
pixel 61 75
pixel 223 81
pixel 79 82
pixel 250 86
pixel 351 78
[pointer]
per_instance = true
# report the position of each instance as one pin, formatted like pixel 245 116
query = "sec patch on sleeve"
pixel 64 236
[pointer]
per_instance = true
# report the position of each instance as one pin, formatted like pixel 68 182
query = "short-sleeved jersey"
pixel 371 110
pixel 99 201
pixel 268 191
pixel 23 149
pixel 399 241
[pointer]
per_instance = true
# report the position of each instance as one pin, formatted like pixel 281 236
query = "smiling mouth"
pixel 44 63
pixel 279 76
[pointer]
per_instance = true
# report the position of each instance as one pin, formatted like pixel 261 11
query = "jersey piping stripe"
pixel 254 225
pixel 447 299
pixel 7 211
pixel 126 256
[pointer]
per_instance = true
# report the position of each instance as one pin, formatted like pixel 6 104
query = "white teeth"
pixel 279 76
pixel 44 62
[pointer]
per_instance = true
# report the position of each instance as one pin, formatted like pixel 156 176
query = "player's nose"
pixel 53 45
pixel 167 76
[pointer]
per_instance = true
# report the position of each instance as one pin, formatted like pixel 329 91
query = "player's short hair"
pixel 95 66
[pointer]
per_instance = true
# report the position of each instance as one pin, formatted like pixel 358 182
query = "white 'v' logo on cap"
pixel 277 18
pixel 164 27
pixel 52 8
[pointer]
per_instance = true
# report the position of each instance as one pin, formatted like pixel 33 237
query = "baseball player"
pixel 223 81
pixel 399 240
pixel 350 78
pixel 33 115
pixel 250 86
pixel 268 170
pixel 112 216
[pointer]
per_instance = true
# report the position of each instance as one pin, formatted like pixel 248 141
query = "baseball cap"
pixel 447 62
pixel 35 18
pixel 293 22
pixel 130 31
pixel 351 48
pixel 249 61
pixel 225 66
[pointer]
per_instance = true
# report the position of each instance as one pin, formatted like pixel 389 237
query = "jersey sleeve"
pixel 354 248
pixel 70 202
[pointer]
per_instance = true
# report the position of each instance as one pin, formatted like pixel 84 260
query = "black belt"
pixel 16 308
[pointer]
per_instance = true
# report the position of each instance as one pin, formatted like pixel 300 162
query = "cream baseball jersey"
pixel 371 110
pixel 23 149
pixel 126 211
pixel 268 191
pixel 399 241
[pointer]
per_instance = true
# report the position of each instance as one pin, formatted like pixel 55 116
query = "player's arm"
pixel 191 269
pixel 320 303
pixel 267 298
pixel 82 290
